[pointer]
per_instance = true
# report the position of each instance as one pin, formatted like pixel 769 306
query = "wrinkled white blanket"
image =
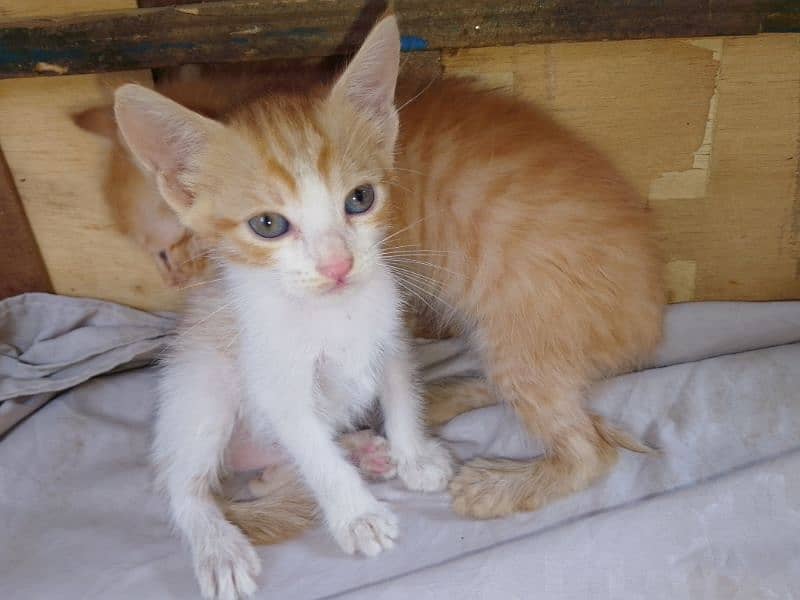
pixel 716 515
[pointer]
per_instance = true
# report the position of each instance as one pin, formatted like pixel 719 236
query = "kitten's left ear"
pixel 167 139
pixel 369 81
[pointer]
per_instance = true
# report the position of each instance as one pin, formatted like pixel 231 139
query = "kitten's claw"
pixel 370 453
pixel 226 569
pixel 427 471
pixel 368 534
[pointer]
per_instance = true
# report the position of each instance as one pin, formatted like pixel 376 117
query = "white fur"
pixel 278 348
pixel 305 367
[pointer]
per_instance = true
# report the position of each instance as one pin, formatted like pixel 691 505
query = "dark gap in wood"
pixel 21 265
pixel 419 66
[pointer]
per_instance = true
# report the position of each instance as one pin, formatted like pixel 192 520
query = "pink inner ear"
pixel 370 78
pixel 164 137
pixel 171 182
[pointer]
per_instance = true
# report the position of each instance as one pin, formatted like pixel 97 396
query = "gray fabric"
pixel 714 516
pixel 50 343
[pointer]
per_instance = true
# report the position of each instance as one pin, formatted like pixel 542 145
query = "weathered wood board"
pixel 58 170
pixel 708 129
pixel 236 30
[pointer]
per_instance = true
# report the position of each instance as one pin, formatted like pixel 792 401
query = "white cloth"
pixel 715 516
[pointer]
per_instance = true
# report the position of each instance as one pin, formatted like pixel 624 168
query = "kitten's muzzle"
pixel 334 260
pixel 337 269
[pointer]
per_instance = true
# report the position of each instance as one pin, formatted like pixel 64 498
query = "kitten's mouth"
pixel 338 285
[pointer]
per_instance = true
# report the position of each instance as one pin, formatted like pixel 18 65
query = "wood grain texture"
pixel 707 129
pixel 236 30
pixel 29 9
pixel 21 266
pixel 58 170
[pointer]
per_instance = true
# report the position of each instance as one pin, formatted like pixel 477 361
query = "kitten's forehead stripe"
pixel 291 139
pixel 324 161
pixel 277 171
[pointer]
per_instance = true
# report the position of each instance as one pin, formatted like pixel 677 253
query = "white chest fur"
pixel 335 345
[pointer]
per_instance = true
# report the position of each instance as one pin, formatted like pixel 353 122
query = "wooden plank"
pixel 237 30
pixel 157 3
pixel 29 9
pixel 750 246
pixel 21 266
pixel 58 170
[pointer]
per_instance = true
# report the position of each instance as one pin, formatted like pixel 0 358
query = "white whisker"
pixel 429 264
pixel 206 318
pixel 406 228
pixel 418 94
pixel 404 286
pixel 204 254
pixel 422 253
pixel 436 284
pixel 403 169
pixel 419 287
pixel 199 283
pixel 391 183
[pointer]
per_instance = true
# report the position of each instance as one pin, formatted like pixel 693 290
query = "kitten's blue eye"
pixel 359 200
pixel 269 225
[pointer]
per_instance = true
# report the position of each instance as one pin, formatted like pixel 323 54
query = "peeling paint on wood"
pixel 720 116
pixel 692 183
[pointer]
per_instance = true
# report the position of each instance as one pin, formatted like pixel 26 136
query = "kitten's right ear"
pixel 166 139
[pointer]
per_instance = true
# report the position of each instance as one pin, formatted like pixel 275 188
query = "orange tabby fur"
pixel 536 245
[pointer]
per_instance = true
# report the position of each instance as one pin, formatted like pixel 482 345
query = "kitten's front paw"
pixel 226 568
pixel 368 533
pixel 427 471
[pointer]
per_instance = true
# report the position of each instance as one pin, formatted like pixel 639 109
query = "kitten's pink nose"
pixel 337 269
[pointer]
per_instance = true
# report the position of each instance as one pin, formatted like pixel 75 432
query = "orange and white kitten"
pixel 131 192
pixel 302 330
pixel 501 222
pixel 137 207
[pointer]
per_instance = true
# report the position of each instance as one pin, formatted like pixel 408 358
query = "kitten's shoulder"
pixel 207 318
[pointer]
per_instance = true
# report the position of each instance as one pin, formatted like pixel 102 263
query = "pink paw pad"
pixel 370 453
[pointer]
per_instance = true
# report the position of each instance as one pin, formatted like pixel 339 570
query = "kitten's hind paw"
pixel 427 471
pixel 370 453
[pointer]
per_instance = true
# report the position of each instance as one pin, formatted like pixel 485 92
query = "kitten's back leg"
pixel 445 400
pixel 545 385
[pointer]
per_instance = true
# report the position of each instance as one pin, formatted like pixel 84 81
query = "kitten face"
pixel 303 197
pixel 295 186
